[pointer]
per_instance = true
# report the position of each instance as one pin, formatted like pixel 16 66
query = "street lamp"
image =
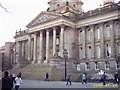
pixel 65 53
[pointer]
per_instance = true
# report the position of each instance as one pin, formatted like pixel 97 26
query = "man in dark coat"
pixel 116 79
pixel 103 78
pixel 7 82
pixel 47 77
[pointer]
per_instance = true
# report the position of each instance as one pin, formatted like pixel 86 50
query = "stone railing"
pixel 98 11
pixel 20 33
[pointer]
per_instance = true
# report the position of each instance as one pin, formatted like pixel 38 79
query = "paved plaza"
pixel 62 84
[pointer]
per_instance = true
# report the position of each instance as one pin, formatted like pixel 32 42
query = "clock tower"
pixel 59 6
pixel 108 2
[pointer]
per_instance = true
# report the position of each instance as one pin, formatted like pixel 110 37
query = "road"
pixel 62 84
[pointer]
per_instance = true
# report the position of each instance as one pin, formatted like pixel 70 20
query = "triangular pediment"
pixel 42 18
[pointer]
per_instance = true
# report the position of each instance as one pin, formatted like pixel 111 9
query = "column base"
pixel 33 62
pixel 38 62
pixel 46 61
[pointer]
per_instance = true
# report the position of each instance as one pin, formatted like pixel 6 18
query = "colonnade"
pixel 34 36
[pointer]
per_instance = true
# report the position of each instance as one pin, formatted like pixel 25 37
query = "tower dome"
pixel 108 2
pixel 55 5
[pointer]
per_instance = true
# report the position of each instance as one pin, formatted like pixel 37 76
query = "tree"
pixel 4 8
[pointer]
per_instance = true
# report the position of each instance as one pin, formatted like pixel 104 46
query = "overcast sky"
pixel 23 11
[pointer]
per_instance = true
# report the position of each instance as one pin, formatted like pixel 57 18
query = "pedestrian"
pixel 46 77
pixel 68 78
pixel 103 78
pixel 18 81
pixel 84 78
pixel 7 82
pixel 116 79
pixel 13 75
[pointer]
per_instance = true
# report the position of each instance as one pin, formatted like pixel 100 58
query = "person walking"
pixel 103 78
pixel 7 82
pixel 18 81
pixel 68 78
pixel 84 78
pixel 116 79
pixel 46 77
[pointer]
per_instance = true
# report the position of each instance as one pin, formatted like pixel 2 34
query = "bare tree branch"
pixel 4 8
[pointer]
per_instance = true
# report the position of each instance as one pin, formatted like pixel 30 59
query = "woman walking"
pixel 18 81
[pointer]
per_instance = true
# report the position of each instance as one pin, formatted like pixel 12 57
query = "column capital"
pixel 92 26
pixel 83 28
pixel 54 28
pixel 41 33
pixel 35 33
pixel 111 22
pixel 62 25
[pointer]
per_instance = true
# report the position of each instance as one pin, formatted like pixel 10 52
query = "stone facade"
pixel 7 56
pixel 91 38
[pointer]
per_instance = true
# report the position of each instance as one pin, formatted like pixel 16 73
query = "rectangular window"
pixel 89 52
pixel 81 53
pixel 107 65
pixel 81 36
pixel 97 51
pixel 108 50
pixel 108 31
pixel 98 33
pixel 87 66
pixel 117 64
pixel 118 48
pixel 117 30
pixel 96 66
pixel 89 35
pixel 78 67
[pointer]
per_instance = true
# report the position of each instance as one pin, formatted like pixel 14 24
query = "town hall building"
pixel 91 40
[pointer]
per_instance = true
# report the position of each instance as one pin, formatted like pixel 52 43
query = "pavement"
pixel 62 84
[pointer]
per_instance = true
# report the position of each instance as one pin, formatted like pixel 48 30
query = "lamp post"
pixel 65 53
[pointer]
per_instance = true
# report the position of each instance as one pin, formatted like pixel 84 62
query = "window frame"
pixel 107 65
pixel 96 65
pixel 86 66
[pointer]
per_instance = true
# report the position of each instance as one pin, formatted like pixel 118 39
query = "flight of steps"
pixel 55 70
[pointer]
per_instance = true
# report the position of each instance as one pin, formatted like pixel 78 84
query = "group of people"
pixel 8 82
pixel 69 78
pixel 115 81
pixel 103 78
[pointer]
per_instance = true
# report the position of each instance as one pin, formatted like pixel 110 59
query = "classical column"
pixel 41 48
pixel 101 40
pixel 35 48
pixel 19 52
pixel 54 41
pixel 16 51
pixel 92 42
pixel 112 39
pixel 23 50
pixel 83 43
pixel 47 45
pixel 29 47
pixel 62 40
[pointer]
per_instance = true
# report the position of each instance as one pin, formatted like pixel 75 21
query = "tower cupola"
pixel 58 5
pixel 108 2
